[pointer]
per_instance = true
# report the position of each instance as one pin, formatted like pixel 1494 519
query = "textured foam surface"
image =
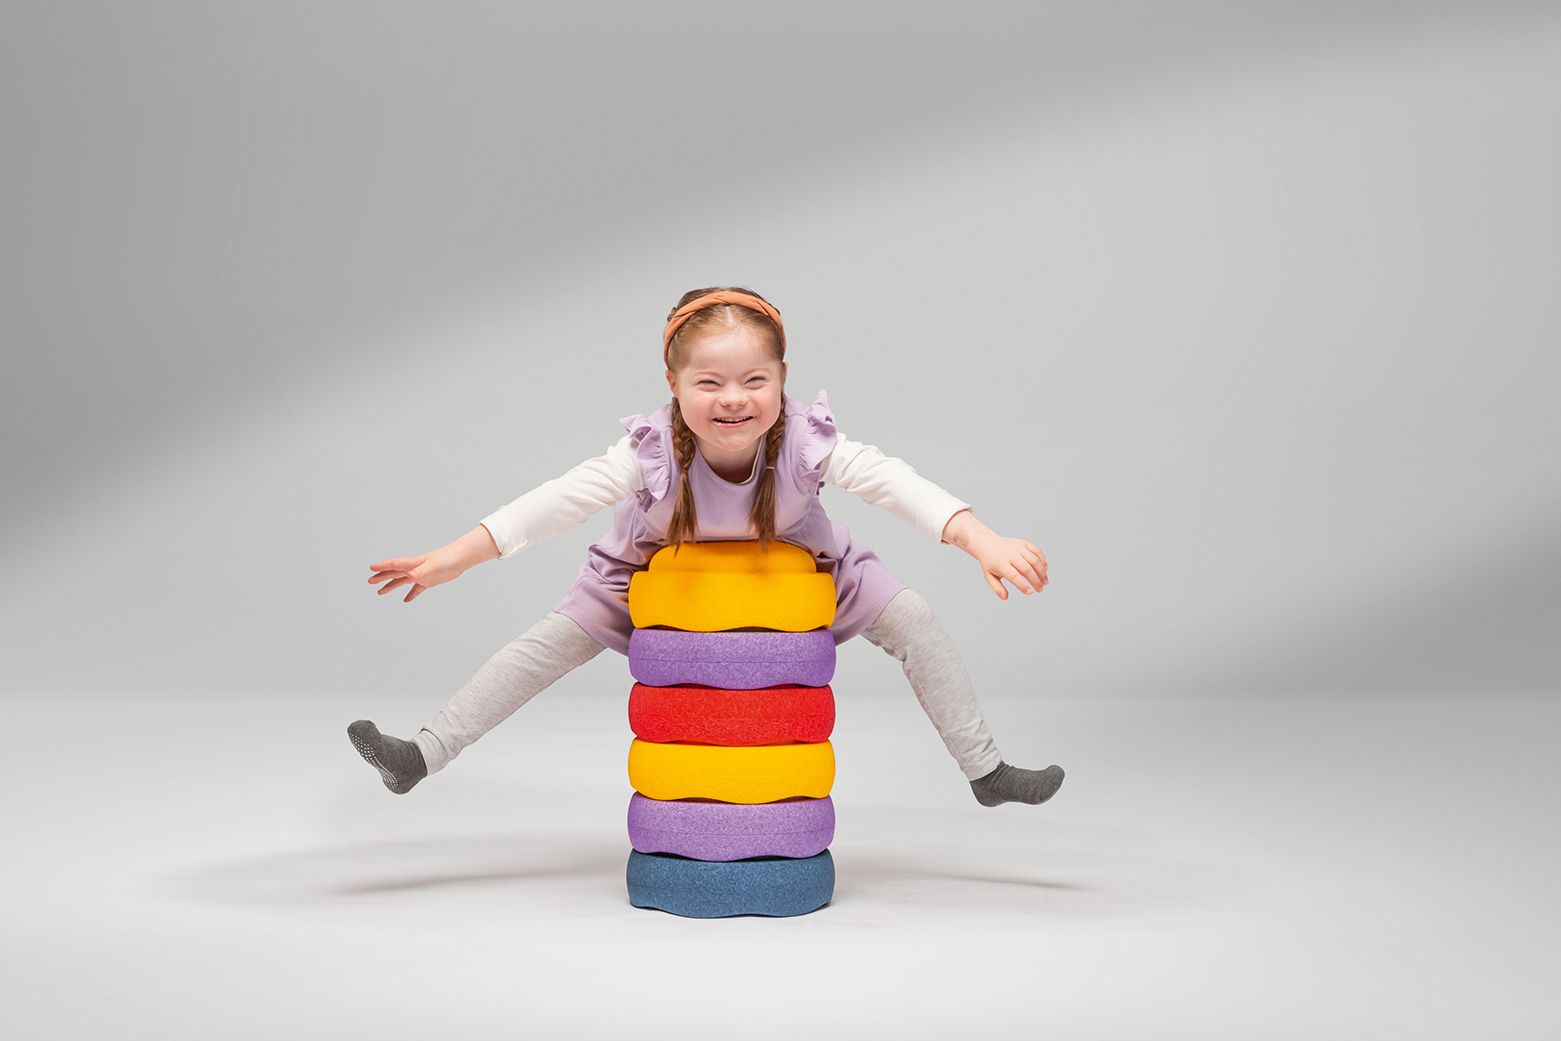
pixel 753 773
pixel 707 830
pixel 710 603
pixel 712 586
pixel 719 889
pixel 715 716
pixel 732 660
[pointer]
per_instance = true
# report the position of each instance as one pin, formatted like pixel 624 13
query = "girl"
pixel 731 457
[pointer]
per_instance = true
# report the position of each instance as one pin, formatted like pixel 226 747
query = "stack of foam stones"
pixel 731 711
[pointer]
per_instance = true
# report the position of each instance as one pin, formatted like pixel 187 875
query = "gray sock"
pixel 1012 784
pixel 400 763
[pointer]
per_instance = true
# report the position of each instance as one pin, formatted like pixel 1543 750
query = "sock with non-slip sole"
pixel 1013 784
pixel 400 763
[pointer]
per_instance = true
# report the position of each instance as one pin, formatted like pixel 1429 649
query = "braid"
pixel 684 526
pixel 763 513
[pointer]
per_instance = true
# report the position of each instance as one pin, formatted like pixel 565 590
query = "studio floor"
pixel 1236 867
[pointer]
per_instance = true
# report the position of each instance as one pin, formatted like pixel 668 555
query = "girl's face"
pixel 729 375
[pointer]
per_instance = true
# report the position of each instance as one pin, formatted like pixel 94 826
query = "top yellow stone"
pixel 713 586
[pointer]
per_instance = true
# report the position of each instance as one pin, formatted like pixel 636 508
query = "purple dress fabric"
pixel 599 599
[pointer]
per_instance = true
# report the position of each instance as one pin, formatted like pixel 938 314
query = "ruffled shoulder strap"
pixel 652 437
pixel 815 433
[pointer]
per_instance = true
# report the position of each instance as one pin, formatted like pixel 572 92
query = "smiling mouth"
pixel 733 422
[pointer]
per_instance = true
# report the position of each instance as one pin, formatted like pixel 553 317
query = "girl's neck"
pixel 732 469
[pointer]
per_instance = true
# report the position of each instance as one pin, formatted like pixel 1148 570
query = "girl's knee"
pixel 910 608
pixel 906 613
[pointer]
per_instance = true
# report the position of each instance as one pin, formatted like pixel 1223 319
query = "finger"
pixel 413 594
pixel 1037 579
pixel 388 586
pixel 380 576
pixel 1032 547
pixel 997 587
pixel 1012 574
pixel 395 564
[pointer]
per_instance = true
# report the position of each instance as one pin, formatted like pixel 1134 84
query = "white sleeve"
pixel 892 483
pixel 565 502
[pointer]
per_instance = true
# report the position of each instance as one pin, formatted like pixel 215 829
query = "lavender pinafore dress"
pixel 599 599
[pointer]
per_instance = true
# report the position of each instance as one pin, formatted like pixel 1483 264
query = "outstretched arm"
pixel 553 506
pixel 566 502
pixel 894 484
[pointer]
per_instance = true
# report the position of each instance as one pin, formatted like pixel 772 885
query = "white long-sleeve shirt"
pixel 566 502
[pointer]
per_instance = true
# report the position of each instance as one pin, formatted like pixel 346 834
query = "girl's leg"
pixel 519 670
pixel 523 667
pixel 908 630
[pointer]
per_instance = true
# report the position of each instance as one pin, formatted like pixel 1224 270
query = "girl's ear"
pixel 672 382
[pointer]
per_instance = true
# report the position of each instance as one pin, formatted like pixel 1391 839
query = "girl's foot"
pixel 1011 784
pixel 400 763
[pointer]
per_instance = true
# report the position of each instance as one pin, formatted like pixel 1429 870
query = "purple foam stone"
pixel 733 660
pixel 705 829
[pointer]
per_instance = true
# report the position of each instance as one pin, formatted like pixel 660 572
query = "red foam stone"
pixel 716 716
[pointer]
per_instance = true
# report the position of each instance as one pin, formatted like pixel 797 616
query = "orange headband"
pixel 720 296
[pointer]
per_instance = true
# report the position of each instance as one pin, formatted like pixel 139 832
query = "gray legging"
pixel 906 629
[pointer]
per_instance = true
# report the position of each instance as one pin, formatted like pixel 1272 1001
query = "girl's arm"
pixel 895 485
pixel 551 507
pixel 566 502
pixel 882 480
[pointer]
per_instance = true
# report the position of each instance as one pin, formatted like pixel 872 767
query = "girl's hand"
pixel 1013 559
pixel 423 572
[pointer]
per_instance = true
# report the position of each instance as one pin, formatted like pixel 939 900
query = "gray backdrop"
pixel 1244 313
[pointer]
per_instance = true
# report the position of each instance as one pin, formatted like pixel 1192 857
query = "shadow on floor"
pixel 312 876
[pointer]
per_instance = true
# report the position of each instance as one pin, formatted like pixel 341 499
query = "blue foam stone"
pixel 774 886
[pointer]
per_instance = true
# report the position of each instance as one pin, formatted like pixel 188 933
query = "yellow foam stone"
pixel 749 773
pixel 709 587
